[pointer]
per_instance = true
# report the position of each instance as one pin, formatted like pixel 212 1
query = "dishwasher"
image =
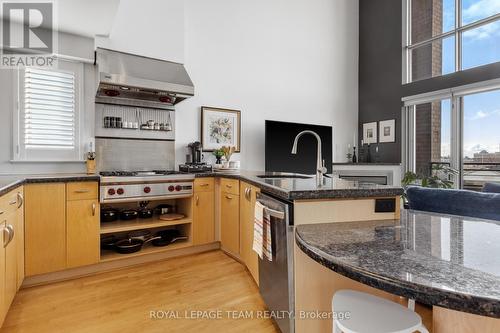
pixel 276 277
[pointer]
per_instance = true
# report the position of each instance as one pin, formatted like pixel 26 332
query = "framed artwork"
pixel 370 133
pixel 220 127
pixel 387 130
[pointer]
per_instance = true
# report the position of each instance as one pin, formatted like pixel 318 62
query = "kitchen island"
pixel 447 263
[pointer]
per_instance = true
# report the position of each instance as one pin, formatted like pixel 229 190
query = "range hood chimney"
pixel 133 80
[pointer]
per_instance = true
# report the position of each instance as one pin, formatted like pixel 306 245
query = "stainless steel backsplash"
pixel 134 155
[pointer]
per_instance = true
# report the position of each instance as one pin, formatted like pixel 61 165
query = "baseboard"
pixel 75 273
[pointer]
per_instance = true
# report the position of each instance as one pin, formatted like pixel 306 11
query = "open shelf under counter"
pixel 150 223
pixel 109 255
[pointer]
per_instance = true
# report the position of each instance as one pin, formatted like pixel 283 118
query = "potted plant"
pixel 440 177
pixel 218 153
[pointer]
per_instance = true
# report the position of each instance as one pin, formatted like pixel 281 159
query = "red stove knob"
pixel 147 189
pixel 120 191
pixel 111 191
pixel 171 188
pixel 178 188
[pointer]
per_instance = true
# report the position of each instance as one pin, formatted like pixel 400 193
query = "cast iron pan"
pixel 128 245
pixel 109 215
pixel 128 214
pixel 108 242
pixel 145 213
pixel 166 237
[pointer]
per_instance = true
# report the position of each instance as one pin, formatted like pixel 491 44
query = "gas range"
pixel 127 186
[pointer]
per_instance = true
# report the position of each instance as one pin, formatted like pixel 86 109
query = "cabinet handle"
pixel 229 185
pixel 248 192
pixel 20 200
pixel 1 212
pixel 82 191
pixel 228 197
pixel 13 202
pixel 205 184
pixel 197 200
pixel 93 209
pixel 8 235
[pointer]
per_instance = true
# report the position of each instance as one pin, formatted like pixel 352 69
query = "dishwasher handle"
pixel 273 212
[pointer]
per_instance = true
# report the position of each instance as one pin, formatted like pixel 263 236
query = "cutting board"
pixel 171 217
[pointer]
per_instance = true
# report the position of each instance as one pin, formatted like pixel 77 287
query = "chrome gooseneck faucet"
pixel 320 163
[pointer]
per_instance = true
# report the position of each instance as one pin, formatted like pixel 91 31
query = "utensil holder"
pixel 90 167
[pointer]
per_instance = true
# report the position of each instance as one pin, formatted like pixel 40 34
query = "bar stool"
pixel 372 314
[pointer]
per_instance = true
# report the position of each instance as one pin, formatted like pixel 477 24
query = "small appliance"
pixel 196 152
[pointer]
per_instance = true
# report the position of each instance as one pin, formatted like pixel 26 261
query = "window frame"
pixel 19 152
pixel 457 32
pixel 456 95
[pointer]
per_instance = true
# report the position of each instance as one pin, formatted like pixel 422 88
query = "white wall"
pixel 290 60
pixel 151 28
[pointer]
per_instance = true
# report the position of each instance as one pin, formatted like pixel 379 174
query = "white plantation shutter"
pixel 49 109
pixel 48 123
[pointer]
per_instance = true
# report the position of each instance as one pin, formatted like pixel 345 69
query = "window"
pixel 48 119
pixel 445 36
pixel 481 139
pixel 457 128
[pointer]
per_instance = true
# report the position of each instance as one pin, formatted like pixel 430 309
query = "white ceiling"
pixel 85 17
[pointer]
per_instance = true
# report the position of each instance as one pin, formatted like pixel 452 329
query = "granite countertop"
pixel 10 182
pixel 302 189
pixel 443 260
pixel 287 189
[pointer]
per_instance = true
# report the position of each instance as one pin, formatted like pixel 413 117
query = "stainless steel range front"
pixel 125 186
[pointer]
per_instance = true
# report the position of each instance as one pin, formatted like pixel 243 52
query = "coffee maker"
pixel 195 162
pixel 196 152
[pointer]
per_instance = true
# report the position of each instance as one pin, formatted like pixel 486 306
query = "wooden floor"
pixel 122 301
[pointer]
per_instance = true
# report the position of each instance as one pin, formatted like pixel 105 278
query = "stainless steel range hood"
pixel 133 80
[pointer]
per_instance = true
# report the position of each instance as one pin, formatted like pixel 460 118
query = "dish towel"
pixel 262 241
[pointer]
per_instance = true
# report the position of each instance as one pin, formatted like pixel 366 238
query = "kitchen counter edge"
pixel 9 183
pixel 428 295
pixel 309 194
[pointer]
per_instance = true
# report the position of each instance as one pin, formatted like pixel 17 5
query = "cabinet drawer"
pixel 204 184
pixel 231 186
pixel 81 191
pixel 11 201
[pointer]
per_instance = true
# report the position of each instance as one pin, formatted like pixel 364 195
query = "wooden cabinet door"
pixel 203 218
pixel 45 228
pixel 230 223
pixel 82 229
pixel 247 204
pixel 10 262
pixel 3 306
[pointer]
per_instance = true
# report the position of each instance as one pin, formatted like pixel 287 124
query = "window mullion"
pixel 456 139
pixel 458 35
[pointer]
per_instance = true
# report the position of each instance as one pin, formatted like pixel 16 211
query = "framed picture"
pixel 387 130
pixel 370 132
pixel 220 127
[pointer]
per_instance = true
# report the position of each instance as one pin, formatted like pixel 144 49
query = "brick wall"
pixel 427 21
